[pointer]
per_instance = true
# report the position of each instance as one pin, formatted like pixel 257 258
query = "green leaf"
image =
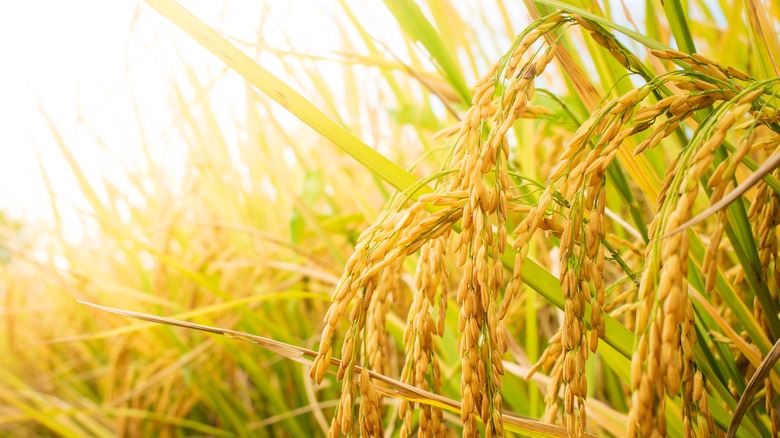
pixel 417 27
pixel 675 14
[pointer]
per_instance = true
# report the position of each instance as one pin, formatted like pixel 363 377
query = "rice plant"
pixel 582 242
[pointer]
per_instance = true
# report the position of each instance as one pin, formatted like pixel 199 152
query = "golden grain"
pixel 370 408
pixel 669 54
pixel 770 407
pixel 751 96
pixel 478 195
pixel 738 74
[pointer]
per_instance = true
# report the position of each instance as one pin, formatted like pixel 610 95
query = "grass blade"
pixel 301 355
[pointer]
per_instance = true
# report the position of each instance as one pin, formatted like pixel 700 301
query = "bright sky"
pixel 82 61
pixel 86 63
pixel 68 58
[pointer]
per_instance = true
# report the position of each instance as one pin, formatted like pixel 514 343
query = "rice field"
pixel 547 219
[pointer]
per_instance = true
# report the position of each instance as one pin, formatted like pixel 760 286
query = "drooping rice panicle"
pixel 478 196
pixel 421 367
pixel 665 320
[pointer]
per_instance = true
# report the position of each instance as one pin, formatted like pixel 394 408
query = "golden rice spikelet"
pixel 720 182
pixel 378 308
pixel 477 196
pixel 765 215
pixel 482 342
pixel 523 233
pixel 580 177
pixel 476 301
pixel 770 407
pixel 370 408
pixel 657 365
pixel 573 338
pixel 664 362
pixel 551 398
pixel 593 266
pixel 371 276
pixel 343 419
pixel 421 365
